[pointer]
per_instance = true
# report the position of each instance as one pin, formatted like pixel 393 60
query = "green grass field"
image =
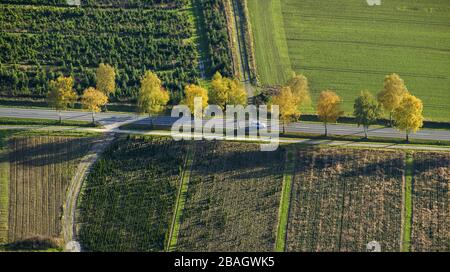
pixel 349 46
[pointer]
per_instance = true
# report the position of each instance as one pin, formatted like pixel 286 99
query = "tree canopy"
pixel 408 116
pixel 366 110
pixel 152 98
pixel 287 103
pixel 92 100
pixel 61 93
pixel 392 94
pixel 106 79
pixel 329 108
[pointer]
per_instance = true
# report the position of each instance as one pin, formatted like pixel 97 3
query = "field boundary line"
pixel 4 195
pixel 407 204
pixel 285 201
pixel 201 38
pixel 181 199
pixel 69 228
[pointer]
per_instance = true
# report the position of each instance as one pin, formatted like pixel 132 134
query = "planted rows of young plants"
pixel 40 171
pixel 345 198
pixel 431 205
pixel 219 50
pixel 128 199
pixel 106 3
pixel 233 198
pixel 40 43
pixel 4 184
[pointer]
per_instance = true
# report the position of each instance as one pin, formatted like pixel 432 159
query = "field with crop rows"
pixel 4 184
pixel 233 198
pixel 343 199
pixel 40 42
pixel 350 46
pixel 40 171
pixel 431 205
pixel 127 201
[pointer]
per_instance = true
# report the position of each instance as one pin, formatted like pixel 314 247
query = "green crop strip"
pixel 4 195
pixel 283 214
pixel 181 200
pixel 406 244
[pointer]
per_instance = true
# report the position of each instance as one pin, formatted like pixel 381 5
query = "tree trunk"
pixel 407 136
pixel 59 115
pixel 93 117
pixel 151 122
pixel 365 132
pixel 390 119
pixel 326 129
pixel 284 127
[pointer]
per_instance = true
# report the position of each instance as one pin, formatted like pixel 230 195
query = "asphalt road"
pixel 313 128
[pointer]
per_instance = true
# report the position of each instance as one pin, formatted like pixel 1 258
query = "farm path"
pixel 69 211
pixel 239 39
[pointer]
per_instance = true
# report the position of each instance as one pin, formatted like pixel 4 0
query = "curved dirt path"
pixel 69 211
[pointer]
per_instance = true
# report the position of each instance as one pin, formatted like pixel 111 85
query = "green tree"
pixel 61 94
pixel 329 108
pixel 287 105
pixel 392 94
pixel 152 98
pixel 106 79
pixel 366 110
pixel 190 93
pixel 226 91
pixel 300 89
pixel 408 116
pixel 92 100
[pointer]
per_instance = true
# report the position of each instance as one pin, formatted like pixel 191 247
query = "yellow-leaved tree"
pixel 392 94
pixel 93 100
pixel 61 94
pixel 152 97
pixel 190 93
pixel 287 104
pixel 408 116
pixel 329 108
pixel 226 91
pixel 106 79
pixel 300 89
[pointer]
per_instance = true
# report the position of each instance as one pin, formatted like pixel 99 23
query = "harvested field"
pixel 343 199
pixel 233 198
pixel 128 199
pixel 431 205
pixel 40 171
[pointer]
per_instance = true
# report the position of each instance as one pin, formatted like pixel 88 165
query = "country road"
pixel 111 120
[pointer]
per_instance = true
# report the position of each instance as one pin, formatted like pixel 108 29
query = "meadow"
pixel 350 46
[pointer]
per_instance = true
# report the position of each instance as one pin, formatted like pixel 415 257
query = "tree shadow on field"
pixel 237 164
pixel 25 152
pixel 431 161
pixel 390 165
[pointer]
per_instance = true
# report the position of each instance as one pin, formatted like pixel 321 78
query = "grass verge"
pixel 283 213
pixel 44 122
pixel 406 241
pixel 272 57
pixel 181 201
pixel 4 195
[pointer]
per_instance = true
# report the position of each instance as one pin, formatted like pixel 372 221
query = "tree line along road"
pixel 110 119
